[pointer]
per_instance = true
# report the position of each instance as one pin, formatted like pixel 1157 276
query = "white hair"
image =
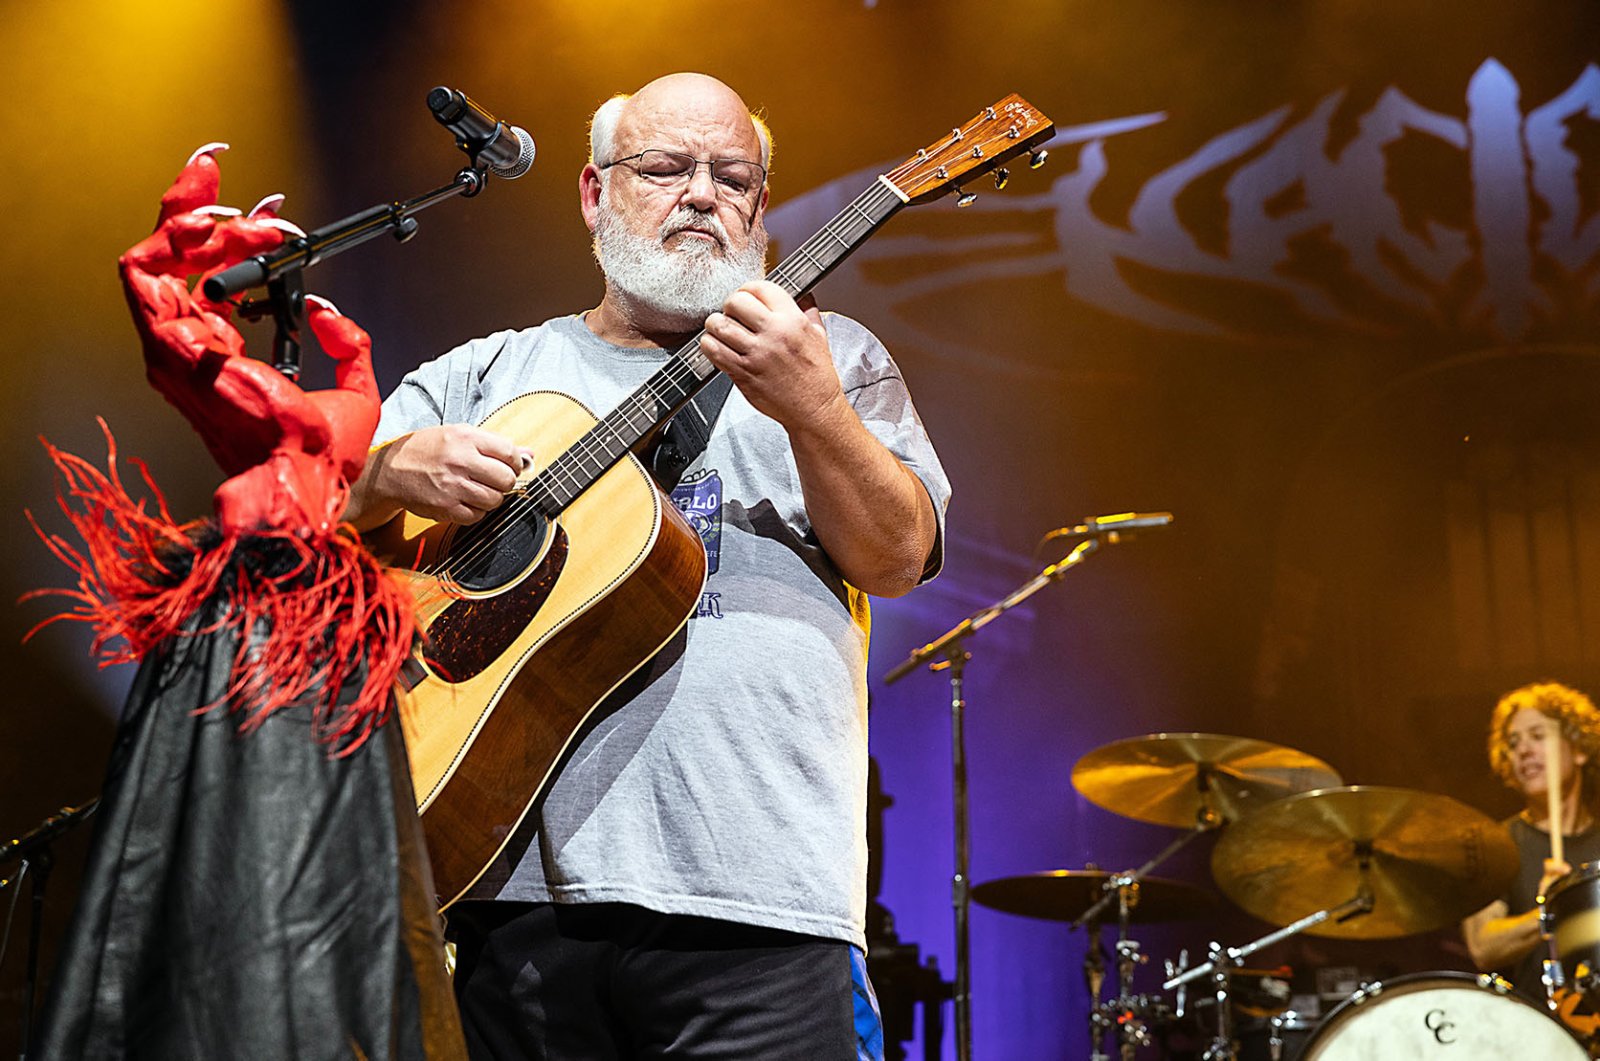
pixel 603 132
pixel 679 287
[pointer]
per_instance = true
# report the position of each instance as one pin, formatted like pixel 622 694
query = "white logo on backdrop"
pixel 1329 227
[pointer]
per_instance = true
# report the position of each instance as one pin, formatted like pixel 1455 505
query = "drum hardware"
pixel 1412 861
pixel 1223 963
pixel 1551 974
pixel 1277 1024
pixel 1180 1008
pixel 1127 1012
pixel 1197 781
pixel 1094 978
pixel 1071 895
pixel 1569 917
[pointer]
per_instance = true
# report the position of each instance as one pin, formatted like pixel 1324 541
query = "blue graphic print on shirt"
pixel 699 498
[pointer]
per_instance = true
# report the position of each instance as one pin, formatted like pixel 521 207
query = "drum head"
pixel 1439 1016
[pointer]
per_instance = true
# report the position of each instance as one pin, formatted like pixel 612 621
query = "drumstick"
pixel 1552 784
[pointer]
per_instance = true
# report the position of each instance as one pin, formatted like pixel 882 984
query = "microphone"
pixel 506 149
pixel 1110 526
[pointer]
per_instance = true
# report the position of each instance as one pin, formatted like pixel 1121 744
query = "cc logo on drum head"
pixel 1434 1021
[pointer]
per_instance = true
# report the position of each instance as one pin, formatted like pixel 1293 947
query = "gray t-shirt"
pixel 727 778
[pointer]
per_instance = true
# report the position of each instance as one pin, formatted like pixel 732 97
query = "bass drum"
pixel 1454 1016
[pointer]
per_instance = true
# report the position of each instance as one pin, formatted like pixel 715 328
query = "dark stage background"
pixel 1321 279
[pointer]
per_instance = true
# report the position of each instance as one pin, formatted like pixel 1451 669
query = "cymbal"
pixel 1431 860
pixel 1159 778
pixel 1064 894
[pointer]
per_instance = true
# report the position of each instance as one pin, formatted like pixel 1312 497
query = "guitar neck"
pixel 670 388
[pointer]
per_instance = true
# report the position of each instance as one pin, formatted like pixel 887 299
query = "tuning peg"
pixel 966 198
pixel 1036 159
pixel 1001 176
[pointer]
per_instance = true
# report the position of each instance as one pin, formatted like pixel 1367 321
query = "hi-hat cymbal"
pixel 1064 894
pixel 1168 778
pixel 1430 860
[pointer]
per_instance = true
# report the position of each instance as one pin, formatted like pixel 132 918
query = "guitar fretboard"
pixel 670 388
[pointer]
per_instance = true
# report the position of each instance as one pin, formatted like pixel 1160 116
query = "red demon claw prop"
pixel 215 147
pixel 268 206
pixel 290 452
pixel 197 183
pixel 286 227
pixel 290 457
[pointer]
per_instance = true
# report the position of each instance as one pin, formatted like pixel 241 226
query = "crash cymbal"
pixel 1064 894
pixel 1431 860
pixel 1166 778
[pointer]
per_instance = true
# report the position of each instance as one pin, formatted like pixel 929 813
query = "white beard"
pixel 678 287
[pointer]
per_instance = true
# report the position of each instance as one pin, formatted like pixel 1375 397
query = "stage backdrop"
pixel 1323 280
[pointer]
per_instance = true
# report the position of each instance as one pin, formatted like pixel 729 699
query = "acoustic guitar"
pixel 536 612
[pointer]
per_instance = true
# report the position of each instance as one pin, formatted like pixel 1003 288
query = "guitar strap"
pixel 685 436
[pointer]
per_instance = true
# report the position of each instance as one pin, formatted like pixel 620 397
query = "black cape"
pixel 247 895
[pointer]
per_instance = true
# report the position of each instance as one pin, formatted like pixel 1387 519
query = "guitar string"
pixel 680 372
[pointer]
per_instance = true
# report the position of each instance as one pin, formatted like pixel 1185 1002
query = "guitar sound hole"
pixel 495 550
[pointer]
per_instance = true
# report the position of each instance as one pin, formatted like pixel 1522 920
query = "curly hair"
pixel 1580 725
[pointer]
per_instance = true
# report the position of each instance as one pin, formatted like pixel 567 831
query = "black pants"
pixel 608 980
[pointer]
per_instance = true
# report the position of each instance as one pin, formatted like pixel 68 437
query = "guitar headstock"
pixel 992 137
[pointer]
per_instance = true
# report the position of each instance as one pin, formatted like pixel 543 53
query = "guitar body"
pixel 521 655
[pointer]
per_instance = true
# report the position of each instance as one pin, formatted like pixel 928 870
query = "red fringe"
pixel 305 632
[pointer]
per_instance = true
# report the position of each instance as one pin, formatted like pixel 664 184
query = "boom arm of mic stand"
pixel 302 252
pixel 943 646
pixel 42 834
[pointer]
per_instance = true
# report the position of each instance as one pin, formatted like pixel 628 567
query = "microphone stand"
pixel 949 652
pixel 32 849
pixel 280 270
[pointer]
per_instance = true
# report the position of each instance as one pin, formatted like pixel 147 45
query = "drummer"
pixel 1505 935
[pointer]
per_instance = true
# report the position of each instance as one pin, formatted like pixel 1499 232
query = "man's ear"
pixel 589 193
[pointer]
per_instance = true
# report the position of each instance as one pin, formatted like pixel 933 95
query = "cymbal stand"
pixel 1224 960
pixel 1206 819
pixel 1130 1010
pixel 1124 1011
pixel 948 652
pixel 1094 977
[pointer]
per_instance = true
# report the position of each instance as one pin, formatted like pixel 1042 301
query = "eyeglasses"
pixel 735 178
